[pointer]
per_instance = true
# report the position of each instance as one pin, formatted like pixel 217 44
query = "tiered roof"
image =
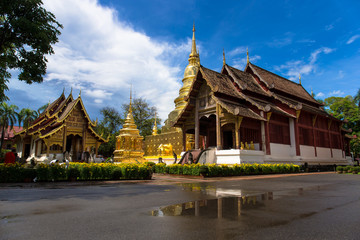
pixel 239 92
pixel 53 118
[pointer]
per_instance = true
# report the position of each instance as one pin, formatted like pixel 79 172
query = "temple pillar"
pixel 292 137
pixel 313 132
pixel 237 131
pixel 330 144
pixel 197 124
pixel 267 134
pixel 84 139
pixel 64 138
pixel 48 148
pixel 218 128
pixel 184 138
pixel 297 138
pixel 263 134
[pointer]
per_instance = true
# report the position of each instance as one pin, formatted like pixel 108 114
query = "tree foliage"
pixel 7 118
pixel 347 108
pixel 144 115
pixel 109 127
pixel 27 32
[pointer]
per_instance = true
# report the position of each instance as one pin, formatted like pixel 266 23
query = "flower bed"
pixel 213 170
pixel 75 171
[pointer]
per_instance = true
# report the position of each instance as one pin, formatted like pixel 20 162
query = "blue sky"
pixel 107 45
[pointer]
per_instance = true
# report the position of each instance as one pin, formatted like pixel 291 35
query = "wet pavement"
pixel 302 206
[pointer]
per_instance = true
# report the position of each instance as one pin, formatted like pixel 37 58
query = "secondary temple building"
pixel 253 116
pixel 64 126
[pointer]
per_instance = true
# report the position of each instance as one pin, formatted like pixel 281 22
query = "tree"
pixel 344 108
pixel 27 32
pixel 109 127
pixel 357 98
pixel 42 108
pixel 144 115
pixel 7 118
pixel 29 116
pixel 347 108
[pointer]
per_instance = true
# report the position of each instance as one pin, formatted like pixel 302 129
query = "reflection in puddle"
pixel 223 207
pixel 229 203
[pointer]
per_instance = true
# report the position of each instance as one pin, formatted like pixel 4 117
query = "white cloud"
pixel 292 69
pixel 320 95
pixel 103 55
pixel 329 27
pixel 337 93
pixel 282 42
pixel 352 39
pixel 237 51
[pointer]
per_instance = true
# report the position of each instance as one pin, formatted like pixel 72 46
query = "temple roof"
pixel 54 116
pixel 273 81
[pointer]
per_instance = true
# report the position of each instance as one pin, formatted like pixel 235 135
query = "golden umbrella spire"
pixel 130 109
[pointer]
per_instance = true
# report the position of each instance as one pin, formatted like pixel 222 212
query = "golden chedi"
pixel 129 142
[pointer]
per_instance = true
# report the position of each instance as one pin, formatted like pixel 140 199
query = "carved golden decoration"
pixel 298 115
pixel 268 116
pixel 314 120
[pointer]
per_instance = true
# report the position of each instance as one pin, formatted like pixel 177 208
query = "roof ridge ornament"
pixel 247 55
pixel 299 78
pixel 224 62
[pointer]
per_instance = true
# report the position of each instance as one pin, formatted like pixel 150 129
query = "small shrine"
pixel 129 142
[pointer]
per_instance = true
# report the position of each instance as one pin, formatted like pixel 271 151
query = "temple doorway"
pixel 74 146
pixel 208 131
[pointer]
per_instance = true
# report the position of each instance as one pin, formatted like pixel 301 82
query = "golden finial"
pixel 193 45
pixel 80 93
pixel 247 55
pixel 70 91
pixel 312 92
pixel 155 127
pixel 63 91
pixel 130 110
pixel 299 78
pixel 224 62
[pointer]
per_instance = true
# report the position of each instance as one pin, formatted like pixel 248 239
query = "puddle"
pixel 223 207
pixel 229 203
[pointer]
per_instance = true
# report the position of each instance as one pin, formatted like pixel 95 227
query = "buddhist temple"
pixel 250 115
pixel 255 115
pixel 129 142
pixel 63 126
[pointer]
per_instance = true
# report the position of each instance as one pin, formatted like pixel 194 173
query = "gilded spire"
pixel 154 132
pixel 193 44
pixel 130 109
pixel 224 62
pixel 247 55
pixel 299 78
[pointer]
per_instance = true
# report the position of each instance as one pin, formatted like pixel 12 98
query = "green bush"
pixel 116 174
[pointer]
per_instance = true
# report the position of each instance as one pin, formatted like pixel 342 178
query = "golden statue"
pixel 129 142
pixel 165 149
pixel 252 147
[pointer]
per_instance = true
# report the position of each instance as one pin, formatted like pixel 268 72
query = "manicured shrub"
pixel 116 174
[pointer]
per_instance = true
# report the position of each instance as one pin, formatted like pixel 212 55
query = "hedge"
pixel 213 170
pixel 75 171
pixel 348 169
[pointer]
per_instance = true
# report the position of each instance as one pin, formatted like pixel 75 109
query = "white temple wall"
pixel 337 153
pixel 280 150
pixel 323 152
pixel 307 151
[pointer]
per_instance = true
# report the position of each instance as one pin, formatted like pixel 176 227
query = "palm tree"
pixel 20 116
pixel 42 108
pixel 29 116
pixel 7 118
